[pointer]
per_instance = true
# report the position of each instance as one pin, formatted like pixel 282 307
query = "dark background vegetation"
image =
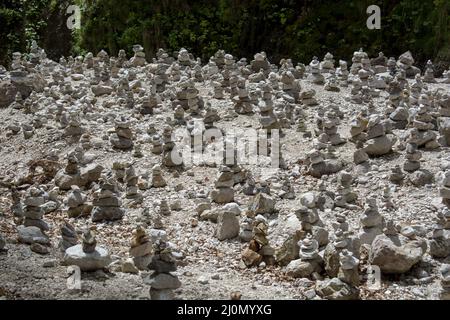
pixel 298 29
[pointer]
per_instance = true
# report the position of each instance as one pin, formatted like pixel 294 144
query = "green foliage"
pixel 283 28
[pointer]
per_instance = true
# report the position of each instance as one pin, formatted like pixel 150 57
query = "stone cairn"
pixel 429 73
pixel 371 222
pixel 316 76
pixel 357 58
pixel 171 156
pixel 157 144
pixel 405 63
pixel 423 133
pixel 290 85
pixel 69 237
pixel 107 203
pixel 218 90
pixel 445 188
pixel 33 210
pixel 308 98
pixel 412 156
pixel 332 83
pixel 348 270
pixel 343 240
pixel 242 103
pixel 223 192
pixel 87 255
pixel 439 243
pixel 76 203
pixel 164 209
pixel 141 249
pixel 342 73
pixel 131 182
pixel 123 136
pixel 187 96
pixel 178 116
pixel 157 178
pixel 268 119
pixel 162 282
pixel 259 249
pixel 328 129
pixel 310 263
pixel 139 56
pixel 327 65
pixel 309 218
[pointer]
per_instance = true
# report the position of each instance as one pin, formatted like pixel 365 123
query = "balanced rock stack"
pixel 316 76
pixel 309 262
pixel 378 143
pixel 310 221
pixel 87 255
pixel 429 73
pixel 357 58
pixel 440 239
pixel 443 103
pixel 445 188
pixel 162 282
pixel 423 133
pixel 178 115
pixel 69 237
pixel 308 97
pixel 405 62
pixel 332 84
pixel 319 166
pixel 107 203
pixel 413 156
pixel 260 62
pixel 342 73
pixel 123 136
pixel 33 209
pixel 327 65
pixel 141 249
pixel 223 192
pixel 371 222
pixel 171 156
pixel 329 130
pixel 268 118
pixel 76 203
pixel 139 56
pixel 157 178
pixel 187 96
pixel 259 249
pixel 157 144
pixel 131 182
pixel 290 85
pixel 242 104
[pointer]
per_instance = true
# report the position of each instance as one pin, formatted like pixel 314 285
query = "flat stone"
pixel 30 235
pixel 162 281
pixel 96 260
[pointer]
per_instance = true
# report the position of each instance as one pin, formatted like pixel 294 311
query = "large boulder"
pixel 32 234
pixel 227 225
pixel 302 269
pixel 262 203
pixel 379 146
pixel 7 93
pixel 336 289
pixel 395 254
pixel 29 83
